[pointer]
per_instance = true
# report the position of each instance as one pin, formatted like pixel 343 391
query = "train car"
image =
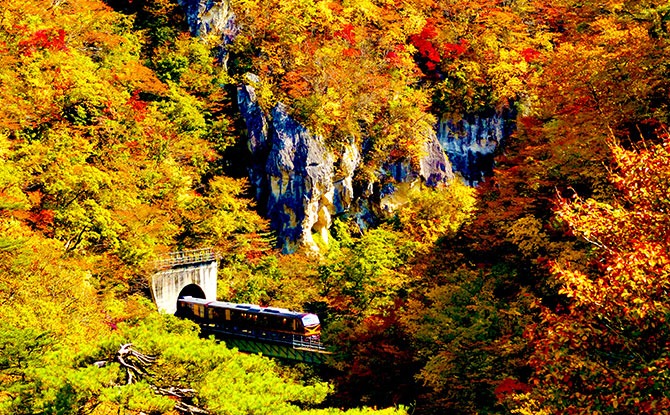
pixel 193 309
pixel 275 324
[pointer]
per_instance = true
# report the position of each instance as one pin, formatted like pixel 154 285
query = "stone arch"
pixel 168 285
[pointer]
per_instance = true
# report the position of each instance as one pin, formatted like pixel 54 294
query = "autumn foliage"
pixel 607 348
pixel 542 291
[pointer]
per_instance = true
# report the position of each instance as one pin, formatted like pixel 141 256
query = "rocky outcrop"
pixel 433 169
pixel 293 172
pixel 258 131
pixel 299 171
pixel 211 18
pixel 301 183
pixel 470 142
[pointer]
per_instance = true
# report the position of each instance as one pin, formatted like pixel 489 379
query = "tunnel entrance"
pixel 192 290
pixel 184 273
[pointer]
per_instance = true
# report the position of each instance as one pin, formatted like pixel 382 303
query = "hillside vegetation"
pixel 542 291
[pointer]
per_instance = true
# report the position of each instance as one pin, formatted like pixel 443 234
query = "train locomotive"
pixel 249 320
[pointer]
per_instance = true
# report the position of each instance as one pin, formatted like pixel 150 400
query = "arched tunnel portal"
pixel 192 290
pixel 194 279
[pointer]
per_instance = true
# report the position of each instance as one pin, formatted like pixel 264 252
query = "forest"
pixel 542 287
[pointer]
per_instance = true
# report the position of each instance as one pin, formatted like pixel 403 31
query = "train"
pixel 250 320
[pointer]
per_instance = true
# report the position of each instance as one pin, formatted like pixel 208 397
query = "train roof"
pixel 195 300
pixel 253 308
pixel 283 312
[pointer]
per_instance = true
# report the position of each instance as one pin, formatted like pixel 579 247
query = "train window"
pixel 227 315
pixel 215 313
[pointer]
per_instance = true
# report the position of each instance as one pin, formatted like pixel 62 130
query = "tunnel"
pixel 192 290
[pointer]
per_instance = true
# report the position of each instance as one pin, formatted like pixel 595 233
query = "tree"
pixel 605 348
pixel 467 341
pixel 430 214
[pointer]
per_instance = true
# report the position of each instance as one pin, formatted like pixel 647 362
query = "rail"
pixel 307 343
pixel 295 341
pixel 189 256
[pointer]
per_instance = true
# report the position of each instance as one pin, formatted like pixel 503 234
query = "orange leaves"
pixel 134 76
pixel 351 52
pixel 612 334
pixel 42 219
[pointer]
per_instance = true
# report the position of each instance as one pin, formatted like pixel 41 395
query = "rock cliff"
pixel 470 142
pixel 301 183
pixel 211 18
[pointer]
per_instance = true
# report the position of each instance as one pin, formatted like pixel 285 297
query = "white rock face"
pixel 471 142
pixel 301 183
pixel 212 18
pixel 294 173
pixel 301 170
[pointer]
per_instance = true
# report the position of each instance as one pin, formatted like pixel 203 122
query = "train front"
pixel 312 325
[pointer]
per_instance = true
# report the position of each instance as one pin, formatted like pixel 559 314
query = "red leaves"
pixel 347 33
pixel 426 49
pixel 454 50
pixel 429 31
pixel 425 46
pixel 137 105
pixel 393 58
pixel 510 386
pixel 50 39
pixel 530 55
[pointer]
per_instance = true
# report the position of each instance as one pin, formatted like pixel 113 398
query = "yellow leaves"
pixel 264 92
pixel 360 11
pixel 526 405
pixel 429 214
pixel 507 75
pixel 413 19
pixel 332 106
pixel 325 13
